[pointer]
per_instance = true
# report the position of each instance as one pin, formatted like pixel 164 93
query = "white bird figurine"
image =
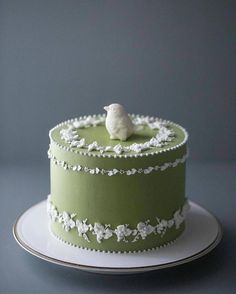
pixel 118 122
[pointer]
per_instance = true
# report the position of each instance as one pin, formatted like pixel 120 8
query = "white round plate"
pixel 203 232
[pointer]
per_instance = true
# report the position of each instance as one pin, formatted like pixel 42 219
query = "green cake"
pixel 116 195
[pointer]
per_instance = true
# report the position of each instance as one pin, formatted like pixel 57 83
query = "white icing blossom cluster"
pixel 89 121
pixel 104 232
pixel 122 231
pixel 162 138
pixel 83 228
pixel 115 171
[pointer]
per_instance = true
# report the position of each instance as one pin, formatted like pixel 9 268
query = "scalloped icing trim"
pixel 91 154
pixel 112 251
pixel 129 172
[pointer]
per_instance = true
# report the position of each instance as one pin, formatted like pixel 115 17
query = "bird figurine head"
pixel 118 123
pixel 114 108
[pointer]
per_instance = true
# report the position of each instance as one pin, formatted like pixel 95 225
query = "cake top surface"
pixel 88 135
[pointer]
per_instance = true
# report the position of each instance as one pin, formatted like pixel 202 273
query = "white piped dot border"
pixel 112 172
pixel 98 154
pixel 103 232
pixel 162 138
pixel 112 251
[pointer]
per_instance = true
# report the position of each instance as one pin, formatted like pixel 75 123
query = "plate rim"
pixel 101 269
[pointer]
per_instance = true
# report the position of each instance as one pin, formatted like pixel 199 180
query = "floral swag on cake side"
pixel 105 231
pixel 115 171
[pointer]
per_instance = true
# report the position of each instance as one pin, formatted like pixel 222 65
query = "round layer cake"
pixel 117 196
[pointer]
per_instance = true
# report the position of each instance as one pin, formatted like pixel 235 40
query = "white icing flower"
pixel 83 228
pixel 68 134
pixel 161 226
pixel 130 172
pixel 133 170
pixel 155 125
pixel 101 232
pixel 148 170
pixel 164 134
pixel 78 167
pixel 122 231
pixel 138 120
pixel 96 122
pixel 163 137
pixel 155 142
pixel 170 223
pixel 115 171
pixel 74 143
pixel 178 218
pixel 80 143
pixel 93 146
pixel 118 149
pixel 107 148
pixel 136 147
pixel 67 222
pixel 164 166
pixel 88 122
pixel 78 124
pixel 52 211
pixel 144 229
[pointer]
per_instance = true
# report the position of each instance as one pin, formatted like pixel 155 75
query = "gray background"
pixel 61 59
pixel 172 59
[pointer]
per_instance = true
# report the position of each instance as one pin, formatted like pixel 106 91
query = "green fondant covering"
pixel 100 134
pixel 119 199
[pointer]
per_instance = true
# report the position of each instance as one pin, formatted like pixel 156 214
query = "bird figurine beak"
pixel 106 108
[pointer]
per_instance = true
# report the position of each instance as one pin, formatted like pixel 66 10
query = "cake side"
pixel 118 202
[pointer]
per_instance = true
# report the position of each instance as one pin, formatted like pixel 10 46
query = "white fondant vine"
pixel 162 138
pixel 115 171
pixel 122 231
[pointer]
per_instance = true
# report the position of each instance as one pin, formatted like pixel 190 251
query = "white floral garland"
pixel 103 232
pixel 110 154
pixel 115 171
pixel 162 138
pixel 113 251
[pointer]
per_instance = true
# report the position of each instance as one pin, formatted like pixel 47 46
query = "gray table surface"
pixel 212 185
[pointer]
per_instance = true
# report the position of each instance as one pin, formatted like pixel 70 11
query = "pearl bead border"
pixel 112 251
pixel 69 222
pixel 91 154
pixel 129 172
